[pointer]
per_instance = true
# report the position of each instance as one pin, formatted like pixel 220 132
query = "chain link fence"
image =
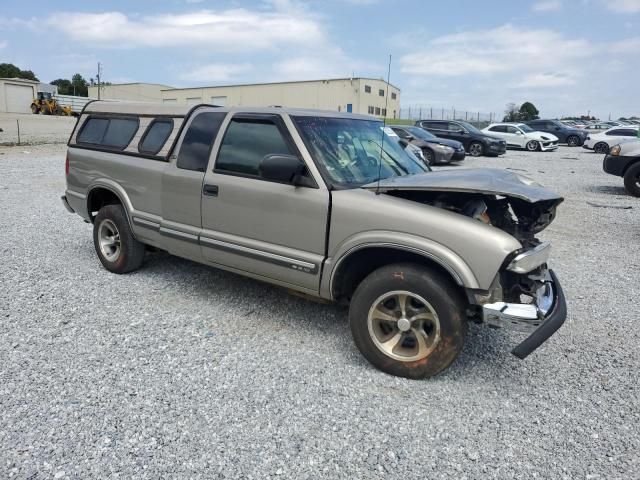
pixel 426 112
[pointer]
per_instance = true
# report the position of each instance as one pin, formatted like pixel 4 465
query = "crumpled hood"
pixel 472 180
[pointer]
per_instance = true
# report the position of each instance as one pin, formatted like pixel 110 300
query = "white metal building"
pixel 135 92
pixel 16 94
pixel 357 95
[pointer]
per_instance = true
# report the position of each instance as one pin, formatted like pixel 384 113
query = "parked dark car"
pixel 475 142
pixel 435 150
pixel 574 137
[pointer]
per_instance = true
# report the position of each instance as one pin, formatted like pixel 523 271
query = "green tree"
pixel 511 113
pixel 528 111
pixel 64 86
pixel 80 85
pixel 9 70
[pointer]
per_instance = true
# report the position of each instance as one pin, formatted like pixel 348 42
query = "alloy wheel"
pixel 404 326
pixel 109 240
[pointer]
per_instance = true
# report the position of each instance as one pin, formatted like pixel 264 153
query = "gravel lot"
pixel 179 370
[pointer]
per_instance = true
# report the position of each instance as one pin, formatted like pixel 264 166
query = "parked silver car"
pixel 317 202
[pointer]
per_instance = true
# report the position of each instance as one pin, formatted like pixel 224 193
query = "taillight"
pixel 66 165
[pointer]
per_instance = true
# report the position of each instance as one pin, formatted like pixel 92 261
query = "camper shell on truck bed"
pixel 326 204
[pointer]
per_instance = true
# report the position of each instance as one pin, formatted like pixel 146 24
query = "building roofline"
pixel 282 83
pixel 169 87
pixel 25 80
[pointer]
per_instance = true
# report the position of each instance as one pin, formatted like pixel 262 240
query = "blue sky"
pixel 566 56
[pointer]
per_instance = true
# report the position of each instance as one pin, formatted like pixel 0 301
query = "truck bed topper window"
pixel 113 133
pixel 155 136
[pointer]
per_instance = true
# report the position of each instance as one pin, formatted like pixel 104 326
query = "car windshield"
pixel 470 128
pixel 420 133
pixel 355 152
pixel 525 128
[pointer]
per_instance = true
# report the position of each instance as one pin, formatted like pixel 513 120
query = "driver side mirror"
pixel 284 169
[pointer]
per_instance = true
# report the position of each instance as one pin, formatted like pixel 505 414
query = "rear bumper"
pixel 65 202
pixel 541 319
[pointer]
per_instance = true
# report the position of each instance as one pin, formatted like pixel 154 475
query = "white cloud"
pixel 228 30
pixel 628 46
pixel 3 44
pixel 547 6
pixel 622 6
pixel 546 80
pixel 216 72
pixel 499 50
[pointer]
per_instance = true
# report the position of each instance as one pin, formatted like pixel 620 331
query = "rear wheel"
pixel 632 180
pixel 117 249
pixel 601 148
pixel 408 321
pixel 476 149
pixel 573 141
pixel 533 146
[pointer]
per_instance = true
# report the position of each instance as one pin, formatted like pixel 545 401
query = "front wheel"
pixel 632 180
pixel 429 156
pixel 533 146
pixel 117 248
pixel 573 141
pixel 408 321
pixel 476 149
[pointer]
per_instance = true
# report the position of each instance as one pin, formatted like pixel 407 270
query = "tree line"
pixel 77 85
pixel 520 113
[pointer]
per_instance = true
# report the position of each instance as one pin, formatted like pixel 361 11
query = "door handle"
pixel 210 190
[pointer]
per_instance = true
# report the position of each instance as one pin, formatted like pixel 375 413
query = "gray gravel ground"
pixel 183 371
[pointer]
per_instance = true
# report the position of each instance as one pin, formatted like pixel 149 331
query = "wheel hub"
pixel 403 326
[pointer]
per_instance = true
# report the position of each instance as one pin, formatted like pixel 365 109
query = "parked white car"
pixel 520 135
pixel 600 126
pixel 602 142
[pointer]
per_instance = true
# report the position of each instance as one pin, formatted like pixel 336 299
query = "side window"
pixel 498 128
pixel 510 129
pixel 196 146
pixel 246 142
pixel 434 125
pixel 454 127
pixel 113 133
pixel 400 132
pixel 155 137
pixel 615 132
pixel 630 132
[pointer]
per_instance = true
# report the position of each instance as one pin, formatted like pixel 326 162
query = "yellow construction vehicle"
pixel 47 105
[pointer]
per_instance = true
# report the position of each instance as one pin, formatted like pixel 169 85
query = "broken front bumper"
pixel 542 318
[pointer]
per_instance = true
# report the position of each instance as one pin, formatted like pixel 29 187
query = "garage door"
pixel 19 98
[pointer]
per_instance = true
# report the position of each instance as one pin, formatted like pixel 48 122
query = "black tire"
pixel 130 251
pixel 632 180
pixel 601 148
pixel 429 156
pixel 442 296
pixel 533 146
pixel 573 141
pixel 476 149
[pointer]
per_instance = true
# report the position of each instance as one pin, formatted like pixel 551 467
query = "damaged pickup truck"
pixel 327 205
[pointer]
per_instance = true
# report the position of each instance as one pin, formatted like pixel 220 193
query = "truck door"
pixel 182 184
pixel 270 230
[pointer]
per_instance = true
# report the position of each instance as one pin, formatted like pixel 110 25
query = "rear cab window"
pixel 196 145
pixel 113 133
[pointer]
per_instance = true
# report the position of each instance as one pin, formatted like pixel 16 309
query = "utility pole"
pixel 98 78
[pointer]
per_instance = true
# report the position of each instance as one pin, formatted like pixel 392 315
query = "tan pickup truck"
pixel 326 204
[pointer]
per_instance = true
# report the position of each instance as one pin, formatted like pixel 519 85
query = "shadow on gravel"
pixel 609 189
pixel 190 278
